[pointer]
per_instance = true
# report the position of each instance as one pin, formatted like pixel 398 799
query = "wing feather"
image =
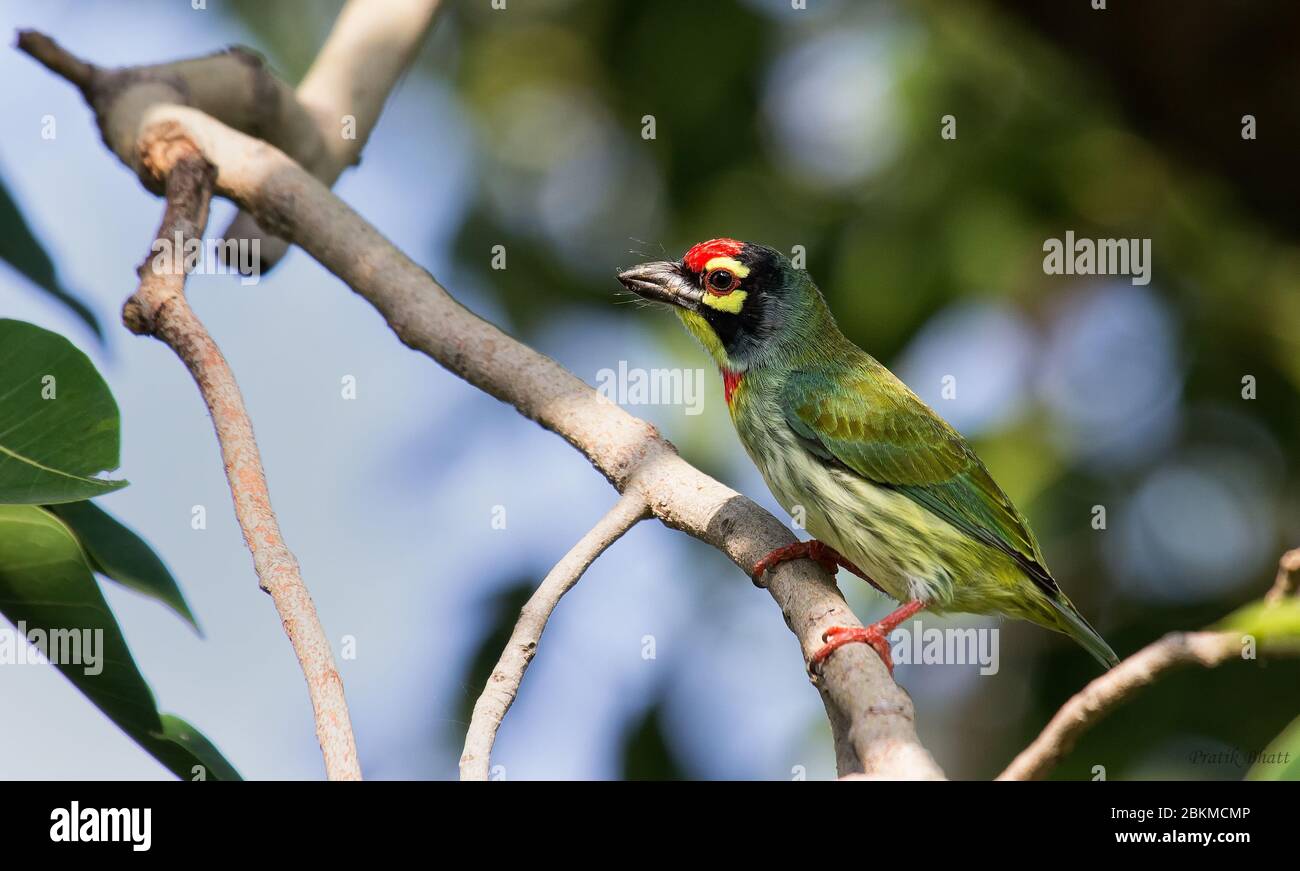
pixel 867 421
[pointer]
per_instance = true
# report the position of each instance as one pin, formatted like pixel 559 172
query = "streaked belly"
pixel 907 550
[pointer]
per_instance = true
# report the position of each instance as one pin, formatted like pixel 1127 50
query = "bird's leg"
pixel 823 554
pixel 877 635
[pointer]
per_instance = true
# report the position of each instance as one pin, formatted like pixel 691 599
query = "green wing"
pixel 866 420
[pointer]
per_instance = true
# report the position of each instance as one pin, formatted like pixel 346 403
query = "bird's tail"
pixel 1071 622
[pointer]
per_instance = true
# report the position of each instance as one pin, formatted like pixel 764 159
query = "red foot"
pixel 826 556
pixel 877 635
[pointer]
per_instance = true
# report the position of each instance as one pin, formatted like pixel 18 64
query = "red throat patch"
pixel 730 383
pixel 706 251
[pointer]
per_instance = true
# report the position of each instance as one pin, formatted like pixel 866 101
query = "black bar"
pixel 320 820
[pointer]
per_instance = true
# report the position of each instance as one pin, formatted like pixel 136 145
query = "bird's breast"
pixel 909 551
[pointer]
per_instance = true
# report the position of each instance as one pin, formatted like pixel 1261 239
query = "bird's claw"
pixel 838 636
pixel 824 555
pixel 876 635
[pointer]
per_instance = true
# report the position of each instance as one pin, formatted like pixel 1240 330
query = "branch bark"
pixel 234 85
pixel 159 308
pixel 369 48
pixel 503 684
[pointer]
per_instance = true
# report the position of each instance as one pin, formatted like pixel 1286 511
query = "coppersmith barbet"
pixel 888 488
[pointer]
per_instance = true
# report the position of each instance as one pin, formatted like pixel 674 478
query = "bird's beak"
pixel 662 281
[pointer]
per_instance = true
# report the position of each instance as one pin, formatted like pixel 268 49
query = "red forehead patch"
pixel 706 251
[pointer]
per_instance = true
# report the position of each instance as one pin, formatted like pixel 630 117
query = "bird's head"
pixel 741 300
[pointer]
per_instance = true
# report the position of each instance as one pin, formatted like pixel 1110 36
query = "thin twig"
pixel 503 685
pixel 1112 689
pixel 1288 577
pixel 159 308
pixel 53 57
pixel 1083 710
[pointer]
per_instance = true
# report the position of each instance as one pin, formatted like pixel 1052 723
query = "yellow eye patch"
pixel 728 302
pixel 732 265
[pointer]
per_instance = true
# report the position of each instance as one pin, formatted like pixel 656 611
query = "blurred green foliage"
pixel 647 752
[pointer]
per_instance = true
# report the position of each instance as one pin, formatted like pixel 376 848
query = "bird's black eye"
pixel 721 281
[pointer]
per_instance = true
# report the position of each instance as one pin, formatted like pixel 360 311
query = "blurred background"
pixel 815 127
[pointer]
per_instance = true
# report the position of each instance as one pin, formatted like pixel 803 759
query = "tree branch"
pixel 370 47
pixel 503 685
pixel 871 717
pixel 233 85
pixel 159 308
pixel 1112 689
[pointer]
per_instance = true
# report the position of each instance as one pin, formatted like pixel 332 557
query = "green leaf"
pixel 58 420
pixel 1281 760
pixel 116 552
pixel 189 754
pixel 1267 621
pixel 46 586
pixel 20 248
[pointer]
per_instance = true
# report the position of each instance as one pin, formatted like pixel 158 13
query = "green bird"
pixel 888 488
